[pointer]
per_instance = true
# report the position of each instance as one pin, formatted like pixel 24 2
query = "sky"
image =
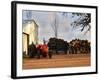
pixel 45 21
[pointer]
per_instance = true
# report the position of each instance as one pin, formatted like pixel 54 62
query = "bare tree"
pixel 29 15
pixel 55 25
pixel 83 21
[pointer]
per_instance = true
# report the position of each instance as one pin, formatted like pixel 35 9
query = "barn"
pixel 29 34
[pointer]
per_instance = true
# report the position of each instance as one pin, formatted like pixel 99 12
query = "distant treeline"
pixel 74 46
pixel 59 46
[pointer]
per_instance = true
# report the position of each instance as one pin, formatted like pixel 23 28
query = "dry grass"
pixel 69 60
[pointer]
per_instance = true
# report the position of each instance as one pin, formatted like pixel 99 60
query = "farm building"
pixel 29 34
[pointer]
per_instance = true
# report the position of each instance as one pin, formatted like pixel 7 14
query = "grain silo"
pixel 30 34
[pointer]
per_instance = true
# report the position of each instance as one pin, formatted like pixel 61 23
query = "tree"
pixel 55 25
pixel 83 20
pixel 29 15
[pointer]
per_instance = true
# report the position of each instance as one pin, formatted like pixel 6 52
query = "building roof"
pixel 26 21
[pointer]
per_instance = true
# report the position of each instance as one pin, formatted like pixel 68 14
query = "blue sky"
pixel 45 22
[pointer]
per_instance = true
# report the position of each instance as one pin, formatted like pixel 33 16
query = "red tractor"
pixel 42 49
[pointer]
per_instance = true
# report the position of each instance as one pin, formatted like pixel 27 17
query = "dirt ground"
pixel 69 60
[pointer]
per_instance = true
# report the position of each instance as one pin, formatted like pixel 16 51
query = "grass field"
pixel 69 60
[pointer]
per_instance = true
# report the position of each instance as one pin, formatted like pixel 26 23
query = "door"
pixel 25 43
